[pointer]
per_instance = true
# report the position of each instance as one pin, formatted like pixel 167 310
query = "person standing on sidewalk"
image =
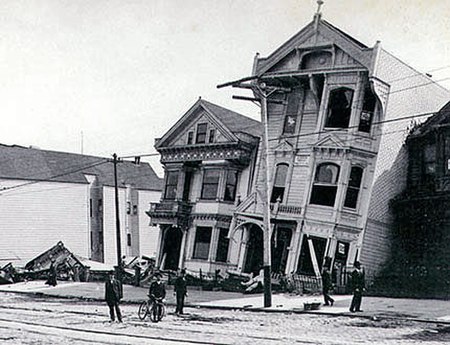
pixel 327 286
pixel 52 274
pixel 358 287
pixel 113 295
pixel 180 289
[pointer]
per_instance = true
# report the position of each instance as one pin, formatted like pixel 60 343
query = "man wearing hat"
pixel 180 289
pixel 113 295
pixel 157 289
pixel 358 286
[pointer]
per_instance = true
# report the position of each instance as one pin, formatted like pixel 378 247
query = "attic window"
pixel 190 138
pixel 201 133
pixel 212 135
pixel 339 108
pixel 316 60
pixel 365 119
pixel 325 184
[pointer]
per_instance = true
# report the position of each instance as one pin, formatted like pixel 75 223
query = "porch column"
pixel 294 249
pixel 182 249
pixel 243 247
pixel 160 244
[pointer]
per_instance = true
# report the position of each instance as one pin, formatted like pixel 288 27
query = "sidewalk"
pixel 374 307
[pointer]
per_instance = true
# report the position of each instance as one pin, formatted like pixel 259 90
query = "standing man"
pixel 327 286
pixel 358 286
pixel 157 291
pixel 113 295
pixel 180 289
pixel 52 274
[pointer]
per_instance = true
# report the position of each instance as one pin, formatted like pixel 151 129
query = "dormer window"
pixel 201 133
pixel 339 108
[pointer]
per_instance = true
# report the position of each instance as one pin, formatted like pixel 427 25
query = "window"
pixel 339 108
pixel 354 185
pixel 230 185
pixel 202 242
pixel 366 116
pixel 100 206
pixel 90 208
pixel 201 133
pixel 190 138
pixel 135 209
pixel 212 134
pixel 429 159
pixel 171 185
pixel 314 60
pixel 129 240
pixel 210 184
pixel 128 207
pixel 279 183
pixel 222 245
pixel 325 185
pixel 306 262
pixel 290 120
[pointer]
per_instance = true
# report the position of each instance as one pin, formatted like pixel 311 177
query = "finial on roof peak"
pixel 319 5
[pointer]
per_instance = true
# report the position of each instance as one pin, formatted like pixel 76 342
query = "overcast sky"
pixel 122 72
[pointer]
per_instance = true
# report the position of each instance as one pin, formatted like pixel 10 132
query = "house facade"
pixel 47 197
pixel 209 159
pixel 335 160
pixel 335 152
pixel 420 258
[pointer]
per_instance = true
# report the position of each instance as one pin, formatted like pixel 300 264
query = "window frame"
pixel 174 185
pixel 279 189
pixel 226 184
pixel 319 188
pixel 223 245
pixel 349 108
pixel 201 134
pixel 217 184
pixel 200 253
pixel 353 188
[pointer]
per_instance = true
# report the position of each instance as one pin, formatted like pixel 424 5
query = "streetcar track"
pixel 108 333
pixel 141 323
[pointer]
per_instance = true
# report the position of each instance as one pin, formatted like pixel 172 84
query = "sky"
pixel 109 76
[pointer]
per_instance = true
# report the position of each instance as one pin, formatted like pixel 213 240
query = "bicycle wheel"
pixel 143 310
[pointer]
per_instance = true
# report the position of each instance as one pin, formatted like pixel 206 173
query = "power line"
pixel 53 177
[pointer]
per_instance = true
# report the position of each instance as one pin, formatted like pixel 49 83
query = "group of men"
pixel 157 290
pixel 357 283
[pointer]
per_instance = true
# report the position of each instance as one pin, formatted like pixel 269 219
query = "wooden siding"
pixel 148 235
pixel 35 217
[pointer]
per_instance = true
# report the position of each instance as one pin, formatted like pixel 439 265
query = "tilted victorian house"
pixel 335 136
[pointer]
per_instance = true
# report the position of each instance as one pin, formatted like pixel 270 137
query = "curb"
pixel 249 309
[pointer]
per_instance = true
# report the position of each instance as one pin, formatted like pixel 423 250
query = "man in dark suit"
pixel 113 295
pixel 358 286
pixel 327 286
pixel 180 289
pixel 157 291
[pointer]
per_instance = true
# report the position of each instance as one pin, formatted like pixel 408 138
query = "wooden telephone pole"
pixel 118 240
pixel 262 92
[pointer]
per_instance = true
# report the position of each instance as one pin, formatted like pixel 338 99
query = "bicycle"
pixel 154 307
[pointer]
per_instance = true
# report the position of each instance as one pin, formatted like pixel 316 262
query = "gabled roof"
pixel 21 163
pixel 230 122
pixel 439 118
pixel 357 50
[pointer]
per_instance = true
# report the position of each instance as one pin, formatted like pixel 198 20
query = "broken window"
pixel 325 184
pixel 230 185
pixel 279 183
pixel 339 108
pixel 210 184
pixel 368 109
pixel 170 191
pixel 354 186
pixel 311 255
pixel 201 133
pixel 202 242
pixel 222 245
pixel 290 120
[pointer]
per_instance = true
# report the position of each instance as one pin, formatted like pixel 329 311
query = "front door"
pixel 171 248
pixel 254 256
pixel 281 240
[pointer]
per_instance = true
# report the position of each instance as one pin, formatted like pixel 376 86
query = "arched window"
pixel 325 184
pixel 279 183
pixel 314 60
pixel 354 186
pixel 339 108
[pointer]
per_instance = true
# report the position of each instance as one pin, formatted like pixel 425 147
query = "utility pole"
pixel 116 192
pixel 263 92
